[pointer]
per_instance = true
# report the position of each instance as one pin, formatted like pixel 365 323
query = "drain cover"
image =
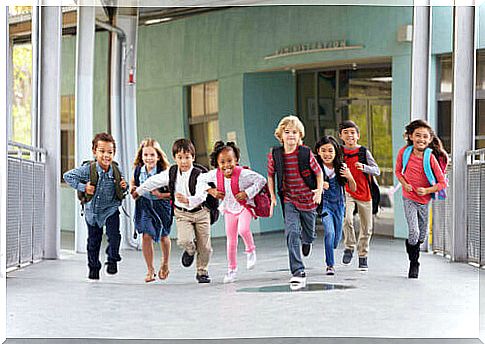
pixel 284 288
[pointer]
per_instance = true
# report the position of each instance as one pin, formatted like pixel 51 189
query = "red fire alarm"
pixel 131 76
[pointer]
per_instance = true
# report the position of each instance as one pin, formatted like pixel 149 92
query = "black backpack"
pixel 136 177
pixel 371 180
pixel 210 203
pixel 93 179
pixel 304 167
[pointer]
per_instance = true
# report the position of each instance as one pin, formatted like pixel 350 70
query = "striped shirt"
pixel 294 188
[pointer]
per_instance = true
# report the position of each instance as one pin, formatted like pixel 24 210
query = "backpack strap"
pixel 136 175
pixel 405 157
pixel 93 178
pixel 427 166
pixel 304 167
pixel 196 171
pixel 172 178
pixel 236 173
pixel 120 194
pixel 219 180
pixel 362 155
pixel 277 153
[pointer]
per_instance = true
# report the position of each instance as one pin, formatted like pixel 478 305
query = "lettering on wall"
pixel 314 47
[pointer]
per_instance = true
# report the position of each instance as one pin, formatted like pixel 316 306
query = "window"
pixel 67 134
pixel 204 118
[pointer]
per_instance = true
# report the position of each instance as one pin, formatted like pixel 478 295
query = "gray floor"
pixel 53 299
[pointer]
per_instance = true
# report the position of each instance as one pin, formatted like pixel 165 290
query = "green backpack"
pixel 93 179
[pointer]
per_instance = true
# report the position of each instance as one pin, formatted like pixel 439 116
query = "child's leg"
pixel 231 225
pixel 185 231
pixel 95 234
pixel 293 241
pixel 365 233
pixel 147 249
pixel 244 230
pixel 329 237
pixel 411 214
pixel 308 219
pixel 165 246
pixel 114 237
pixel 338 221
pixel 202 227
pixel 349 233
pixel 423 212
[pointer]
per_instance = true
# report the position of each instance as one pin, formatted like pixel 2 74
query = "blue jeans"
pixel 95 234
pixel 332 221
pixel 299 228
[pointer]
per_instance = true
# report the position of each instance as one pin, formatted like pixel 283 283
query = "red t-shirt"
pixel 362 193
pixel 294 188
pixel 415 176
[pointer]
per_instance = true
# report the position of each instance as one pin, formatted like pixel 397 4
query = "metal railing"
pixel 25 204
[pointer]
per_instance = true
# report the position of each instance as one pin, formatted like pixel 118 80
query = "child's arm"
pixel 78 178
pixel 317 193
pixel 271 183
pixel 257 182
pixel 154 182
pixel 398 172
pixel 345 172
pixel 440 179
pixel 132 185
pixel 201 188
pixel 371 168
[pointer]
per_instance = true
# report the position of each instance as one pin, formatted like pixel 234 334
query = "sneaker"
pixel 112 268
pixel 298 281
pixel 251 260
pixel 187 259
pixel 204 278
pixel 306 249
pixel 330 270
pixel 93 274
pixel 363 264
pixel 230 277
pixel 347 258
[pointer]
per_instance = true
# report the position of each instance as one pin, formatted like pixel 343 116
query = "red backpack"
pixel 262 203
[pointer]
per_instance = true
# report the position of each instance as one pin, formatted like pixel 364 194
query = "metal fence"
pixel 25 204
pixel 475 221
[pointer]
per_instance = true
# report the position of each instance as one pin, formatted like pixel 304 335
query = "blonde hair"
pixel 289 121
pixel 149 142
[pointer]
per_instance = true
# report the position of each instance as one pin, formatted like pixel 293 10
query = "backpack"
pixel 371 180
pixel 210 202
pixel 262 202
pixel 428 171
pixel 304 167
pixel 136 177
pixel 93 179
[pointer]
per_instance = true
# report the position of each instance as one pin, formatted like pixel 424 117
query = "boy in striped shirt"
pixel 300 186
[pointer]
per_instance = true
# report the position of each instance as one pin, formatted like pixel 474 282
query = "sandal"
pixel 150 277
pixel 163 272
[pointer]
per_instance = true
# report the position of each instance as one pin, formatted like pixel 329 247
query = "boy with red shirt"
pixel 349 133
pixel 300 185
pixel 416 187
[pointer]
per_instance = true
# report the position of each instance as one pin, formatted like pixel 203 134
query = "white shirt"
pixel 181 186
pixel 329 172
pixel 249 181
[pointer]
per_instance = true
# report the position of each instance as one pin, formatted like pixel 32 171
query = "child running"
pixel 235 203
pixel 415 166
pixel 153 213
pixel 331 209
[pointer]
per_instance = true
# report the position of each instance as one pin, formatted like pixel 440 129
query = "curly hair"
pixel 289 121
pixel 338 161
pixel 412 126
pixel 103 137
pixel 162 162
pixel 439 151
pixel 220 146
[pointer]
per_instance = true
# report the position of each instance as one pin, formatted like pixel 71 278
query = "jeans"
pixel 332 221
pixel 95 234
pixel 299 228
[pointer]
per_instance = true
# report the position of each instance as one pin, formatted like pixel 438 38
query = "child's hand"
pixel 271 208
pixel 359 166
pixel 181 198
pixel 408 187
pixel 317 196
pixel 123 183
pixel 160 195
pixel 216 194
pixel 326 185
pixel 134 194
pixel 422 191
pixel 242 196
pixel 345 172
pixel 90 189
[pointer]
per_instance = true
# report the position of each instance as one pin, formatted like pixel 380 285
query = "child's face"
pixel 421 138
pixel 226 160
pixel 327 153
pixel 149 157
pixel 350 136
pixel 104 154
pixel 291 135
pixel 184 160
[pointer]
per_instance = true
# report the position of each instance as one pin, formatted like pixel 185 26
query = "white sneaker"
pixel 298 282
pixel 251 260
pixel 230 277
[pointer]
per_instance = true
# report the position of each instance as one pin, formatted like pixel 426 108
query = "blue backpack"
pixel 428 171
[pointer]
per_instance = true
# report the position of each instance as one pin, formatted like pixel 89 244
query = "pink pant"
pixel 238 223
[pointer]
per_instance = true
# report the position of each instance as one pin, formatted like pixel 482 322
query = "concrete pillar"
pixel 4 73
pixel 50 122
pixel 462 129
pixel 84 103
pixel 420 61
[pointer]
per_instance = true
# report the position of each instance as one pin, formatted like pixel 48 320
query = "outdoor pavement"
pixel 54 299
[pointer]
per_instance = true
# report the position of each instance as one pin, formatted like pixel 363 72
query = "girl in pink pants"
pixel 236 187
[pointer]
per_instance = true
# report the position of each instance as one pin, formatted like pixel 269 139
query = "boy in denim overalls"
pixel 102 209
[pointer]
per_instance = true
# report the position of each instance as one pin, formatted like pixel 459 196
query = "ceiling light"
pixel 157 21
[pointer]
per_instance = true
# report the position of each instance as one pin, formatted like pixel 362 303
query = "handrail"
pixel 475 156
pixel 27 147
